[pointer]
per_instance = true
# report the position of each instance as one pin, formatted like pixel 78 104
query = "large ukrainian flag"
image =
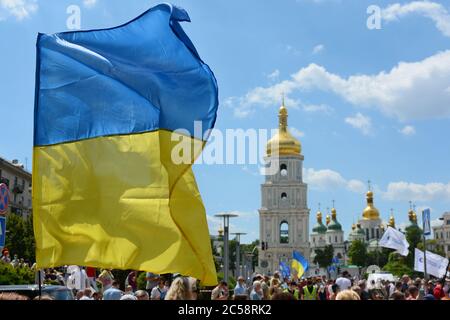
pixel 106 191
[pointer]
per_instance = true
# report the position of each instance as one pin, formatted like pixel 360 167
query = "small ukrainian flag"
pixel 299 263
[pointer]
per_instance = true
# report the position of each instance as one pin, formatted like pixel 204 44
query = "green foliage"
pixel 20 237
pixel 231 280
pixel 15 276
pixel 141 281
pixel 432 243
pixel 324 257
pixel 397 265
pixel 379 258
pixel 358 253
pixel 414 238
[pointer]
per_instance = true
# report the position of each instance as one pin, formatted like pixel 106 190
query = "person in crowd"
pixel 142 295
pixel 265 286
pixel 7 296
pixel 413 293
pixel 405 283
pixel 159 292
pixel 106 278
pixel 152 281
pixel 283 296
pixel 364 294
pixel 113 293
pixel 220 292
pixel 5 256
pixel 92 277
pixel 97 296
pixel 334 291
pixel 131 281
pixel 343 281
pixel 438 291
pixel 429 297
pixel 275 287
pixel 257 293
pixel 348 295
pixel 182 288
pixel 128 295
pixel 240 288
pixel 87 294
pixel 397 295
pixel 292 289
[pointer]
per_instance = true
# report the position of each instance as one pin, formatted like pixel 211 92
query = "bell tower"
pixel 284 214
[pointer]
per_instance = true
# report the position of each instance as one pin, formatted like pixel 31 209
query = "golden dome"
pixel 370 212
pixel 283 143
pixel 333 214
pixel 392 222
pixel 319 216
pixel 353 226
pixel 328 219
pixel 412 216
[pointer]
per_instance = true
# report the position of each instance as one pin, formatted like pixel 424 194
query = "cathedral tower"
pixel 284 215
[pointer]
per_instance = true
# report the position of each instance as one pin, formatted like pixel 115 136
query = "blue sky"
pixel 366 104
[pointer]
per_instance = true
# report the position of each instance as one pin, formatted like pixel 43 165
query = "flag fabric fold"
pixel 436 265
pixel 299 263
pixel 394 239
pixel 106 189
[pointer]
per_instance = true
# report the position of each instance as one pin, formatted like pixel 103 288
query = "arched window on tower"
pixel 284 232
pixel 283 170
pixel 284 196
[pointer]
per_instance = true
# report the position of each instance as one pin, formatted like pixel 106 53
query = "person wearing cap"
pixel 240 288
pixel 343 281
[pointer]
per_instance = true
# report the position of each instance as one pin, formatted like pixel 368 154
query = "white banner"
pixel 394 239
pixel 436 265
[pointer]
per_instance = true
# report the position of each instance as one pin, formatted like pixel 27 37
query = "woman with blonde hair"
pixel 182 288
pixel 347 295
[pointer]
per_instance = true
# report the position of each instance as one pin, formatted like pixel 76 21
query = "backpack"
pixel 162 294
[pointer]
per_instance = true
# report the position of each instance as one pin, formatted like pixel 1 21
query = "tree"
pixel 358 253
pixel 324 257
pixel 432 243
pixel 397 265
pixel 20 237
pixel 379 257
pixel 414 237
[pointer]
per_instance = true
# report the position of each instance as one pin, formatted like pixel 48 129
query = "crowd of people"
pixel 344 287
pixel 89 284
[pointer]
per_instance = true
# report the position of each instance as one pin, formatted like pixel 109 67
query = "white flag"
pixel 394 239
pixel 436 265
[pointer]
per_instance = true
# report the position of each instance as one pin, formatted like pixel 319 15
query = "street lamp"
pixel 238 252
pixel 226 224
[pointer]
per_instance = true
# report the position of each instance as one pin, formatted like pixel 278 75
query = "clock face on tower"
pixel 264 264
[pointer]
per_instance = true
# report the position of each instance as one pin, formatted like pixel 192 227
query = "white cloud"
pixel 326 179
pixel 89 3
pixel 274 75
pixel 405 191
pixel 20 9
pixel 318 49
pixel 296 133
pixel 322 108
pixel 408 131
pixel 409 91
pixel 432 10
pixel 360 122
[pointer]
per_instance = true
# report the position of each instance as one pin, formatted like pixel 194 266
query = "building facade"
pixel 442 234
pixel 284 214
pixel 18 180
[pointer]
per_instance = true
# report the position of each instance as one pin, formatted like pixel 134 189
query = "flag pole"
pixel 425 275
pixel 40 284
